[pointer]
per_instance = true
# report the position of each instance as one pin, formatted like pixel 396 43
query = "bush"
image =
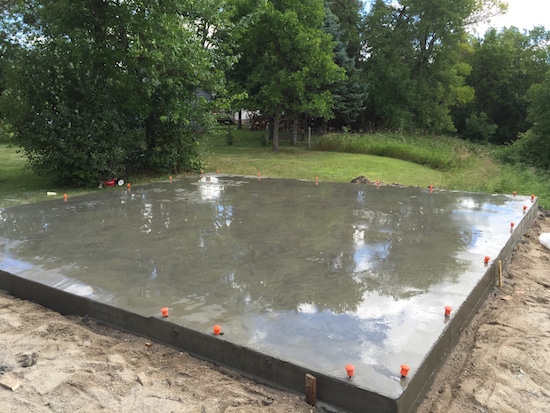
pixel 533 149
pixel 478 129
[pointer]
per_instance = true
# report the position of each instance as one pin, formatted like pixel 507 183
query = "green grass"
pixel 412 160
pixel 19 185
pixel 248 156
pixel 444 162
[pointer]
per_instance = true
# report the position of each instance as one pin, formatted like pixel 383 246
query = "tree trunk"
pixel 149 136
pixel 276 120
pixel 150 141
pixel 240 124
pixel 271 123
pixel 294 136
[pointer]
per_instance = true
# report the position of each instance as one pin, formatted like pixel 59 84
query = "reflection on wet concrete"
pixel 319 275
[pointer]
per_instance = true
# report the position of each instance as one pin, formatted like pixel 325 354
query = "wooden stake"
pixel 311 389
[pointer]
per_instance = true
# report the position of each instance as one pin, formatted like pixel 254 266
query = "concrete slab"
pixel 301 277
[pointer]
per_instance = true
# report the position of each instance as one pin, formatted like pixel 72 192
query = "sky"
pixel 524 14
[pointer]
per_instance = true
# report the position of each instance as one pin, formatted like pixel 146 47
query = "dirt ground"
pixel 502 361
pixel 52 363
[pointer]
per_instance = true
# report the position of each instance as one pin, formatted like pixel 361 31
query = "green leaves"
pixel 412 64
pixel 105 84
pixel 505 64
pixel 533 146
pixel 286 59
pixel 94 86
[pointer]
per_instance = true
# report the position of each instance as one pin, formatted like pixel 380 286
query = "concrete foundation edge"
pixel 423 379
pixel 341 393
pixel 334 391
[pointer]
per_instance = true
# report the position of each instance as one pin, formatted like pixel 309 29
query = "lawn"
pixel 445 163
pixel 18 184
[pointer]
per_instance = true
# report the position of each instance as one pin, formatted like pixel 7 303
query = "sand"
pixel 55 363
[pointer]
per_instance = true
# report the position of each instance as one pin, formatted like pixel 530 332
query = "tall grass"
pixel 437 152
pixel 464 165
pixel 415 160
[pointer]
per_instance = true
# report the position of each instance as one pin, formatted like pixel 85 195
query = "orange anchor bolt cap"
pixel 217 330
pixel 448 310
pixel 487 259
pixel 404 370
pixel 164 311
pixel 350 370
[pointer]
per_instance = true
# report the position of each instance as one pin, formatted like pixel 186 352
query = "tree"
pixel 108 86
pixel 413 62
pixel 350 17
pixel 285 59
pixel 349 94
pixel 534 145
pixel 6 47
pixel 388 51
pixel 484 10
pixel 505 64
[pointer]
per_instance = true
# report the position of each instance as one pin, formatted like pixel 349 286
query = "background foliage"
pixel 101 88
pixel 98 89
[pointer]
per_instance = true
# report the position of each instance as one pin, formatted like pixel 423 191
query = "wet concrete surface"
pixel 317 275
